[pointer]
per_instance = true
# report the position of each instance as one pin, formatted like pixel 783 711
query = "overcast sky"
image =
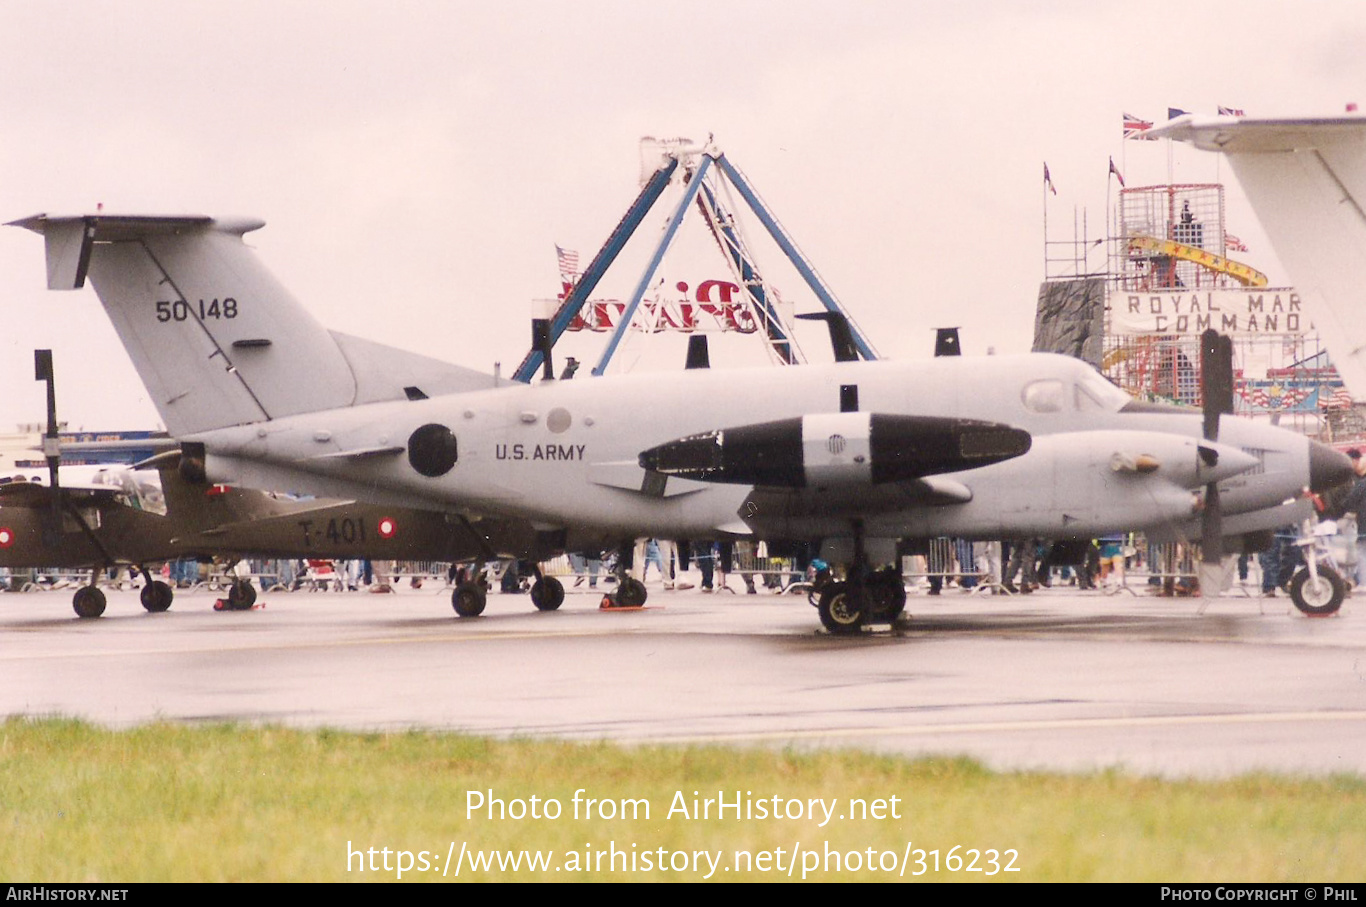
pixel 417 162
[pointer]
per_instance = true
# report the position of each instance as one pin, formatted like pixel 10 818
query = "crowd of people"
pixel 1017 566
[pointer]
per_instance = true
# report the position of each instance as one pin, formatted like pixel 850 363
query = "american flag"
pixel 569 263
pixel 1234 243
pixel 1134 128
pixel 1230 111
pixel 1339 400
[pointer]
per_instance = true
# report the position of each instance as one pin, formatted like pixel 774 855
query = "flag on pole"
pixel 1048 179
pixel 1115 170
pixel 1174 112
pixel 1134 128
pixel 1230 111
pixel 569 263
pixel 1234 243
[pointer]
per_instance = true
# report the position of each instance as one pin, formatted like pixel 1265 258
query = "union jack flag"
pixel 1230 111
pixel 1234 243
pixel 1048 179
pixel 1115 170
pixel 1134 128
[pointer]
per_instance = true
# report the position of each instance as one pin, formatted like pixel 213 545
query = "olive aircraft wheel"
pixel 469 599
pixel 631 593
pixel 840 608
pixel 547 593
pixel 88 602
pixel 156 596
pixel 241 595
pixel 1323 597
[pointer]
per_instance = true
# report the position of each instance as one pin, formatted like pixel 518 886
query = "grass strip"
pixel 171 802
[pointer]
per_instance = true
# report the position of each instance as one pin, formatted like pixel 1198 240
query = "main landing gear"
pixel 470 597
pixel 845 606
pixel 88 601
pixel 867 597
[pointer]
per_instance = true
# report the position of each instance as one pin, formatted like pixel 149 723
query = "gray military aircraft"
pixel 860 454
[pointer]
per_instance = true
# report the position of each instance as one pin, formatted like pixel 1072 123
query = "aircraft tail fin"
pixel 1306 179
pixel 217 340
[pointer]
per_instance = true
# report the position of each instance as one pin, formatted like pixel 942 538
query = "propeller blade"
pixel 42 371
pixel 1216 379
pixel 1216 391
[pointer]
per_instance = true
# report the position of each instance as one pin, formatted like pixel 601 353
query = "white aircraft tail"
pixel 216 339
pixel 1306 178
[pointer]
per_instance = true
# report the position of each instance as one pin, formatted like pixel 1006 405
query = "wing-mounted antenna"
pixel 699 355
pixel 946 342
pixel 1216 390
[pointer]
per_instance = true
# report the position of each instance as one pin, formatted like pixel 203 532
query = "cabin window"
pixel 1044 396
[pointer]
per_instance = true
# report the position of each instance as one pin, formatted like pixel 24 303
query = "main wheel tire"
pixel 632 593
pixel 1325 597
pixel 469 599
pixel 241 595
pixel 156 596
pixel 887 596
pixel 547 593
pixel 840 609
pixel 88 602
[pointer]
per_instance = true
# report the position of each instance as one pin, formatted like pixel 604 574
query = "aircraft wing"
pixel 31 494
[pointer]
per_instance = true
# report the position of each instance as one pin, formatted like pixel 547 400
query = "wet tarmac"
pixel 1055 680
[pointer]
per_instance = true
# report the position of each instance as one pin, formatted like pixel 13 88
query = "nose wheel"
pixel 1318 596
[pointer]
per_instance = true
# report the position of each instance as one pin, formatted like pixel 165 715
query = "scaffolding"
pixel 1170 276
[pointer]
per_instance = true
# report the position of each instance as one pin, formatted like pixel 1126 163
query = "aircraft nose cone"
pixel 1328 468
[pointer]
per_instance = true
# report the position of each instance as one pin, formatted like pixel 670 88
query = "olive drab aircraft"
pixel 122 518
pixel 102 516
pixel 859 454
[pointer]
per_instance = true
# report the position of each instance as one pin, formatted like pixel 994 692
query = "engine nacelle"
pixel 837 449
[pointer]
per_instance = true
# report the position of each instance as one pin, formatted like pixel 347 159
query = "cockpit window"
pixel 1044 396
pixel 1095 394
